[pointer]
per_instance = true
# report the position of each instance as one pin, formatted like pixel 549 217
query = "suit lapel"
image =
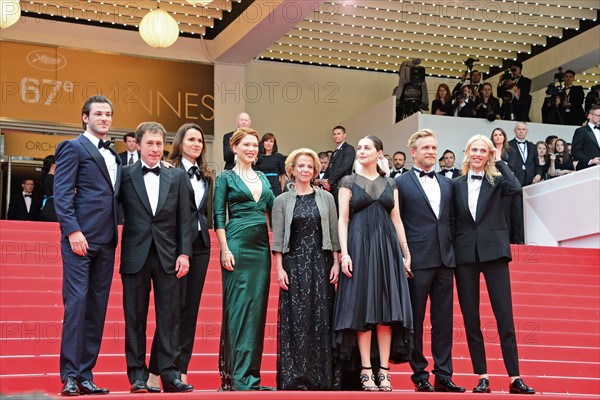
pixel 464 194
pixel 483 194
pixel 164 189
pixel 591 135
pixel 98 159
pixel 413 176
pixel 137 178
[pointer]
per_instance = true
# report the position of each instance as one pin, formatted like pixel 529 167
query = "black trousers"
pixel 436 284
pixel 167 303
pixel 497 279
pixel 517 231
pixel 191 293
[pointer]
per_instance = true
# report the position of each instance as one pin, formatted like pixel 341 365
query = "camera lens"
pixel 513 70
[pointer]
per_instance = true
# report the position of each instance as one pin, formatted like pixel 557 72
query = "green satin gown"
pixel 246 288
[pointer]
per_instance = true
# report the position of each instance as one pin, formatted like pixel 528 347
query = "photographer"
pixel 475 81
pixel 515 106
pixel 462 105
pixel 486 105
pixel 592 98
pixel 513 75
pixel 572 101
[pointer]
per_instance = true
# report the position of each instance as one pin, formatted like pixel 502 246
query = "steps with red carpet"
pixel 556 296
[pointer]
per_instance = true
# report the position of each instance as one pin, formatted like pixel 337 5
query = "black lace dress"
pixel 377 293
pixel 304 353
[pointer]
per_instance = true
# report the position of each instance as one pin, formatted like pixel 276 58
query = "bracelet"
pixel 346 256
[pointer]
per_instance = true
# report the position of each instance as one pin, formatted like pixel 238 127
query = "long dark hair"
pixel 176 155
pixel 505 146
pixel 261 146
pixel 563 156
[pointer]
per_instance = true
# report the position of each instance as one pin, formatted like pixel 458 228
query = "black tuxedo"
pixel 150 247
pixel 432 262
pixel 465 111
pixel 124 157
pixel 193 282
pixel 228 155
pixel 524 171
pixel 17 209
pixel 86 279
pixel 455 173
pixel 394 173
pixel 575 115
pixel 516 110
pixel 585 146
pixel 340 165
pixel 482 246
pixel 522 82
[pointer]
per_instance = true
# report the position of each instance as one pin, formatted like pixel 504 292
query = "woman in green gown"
pixel 246 262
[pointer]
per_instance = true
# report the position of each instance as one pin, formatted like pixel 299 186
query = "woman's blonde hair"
pixel 491 172
pixel 290 162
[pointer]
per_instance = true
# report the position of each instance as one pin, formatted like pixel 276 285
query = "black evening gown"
pixel 377 293
pixel 47 213
pixel 304 353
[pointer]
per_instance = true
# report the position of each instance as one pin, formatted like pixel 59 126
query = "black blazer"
pixel 576 115
pixel 124 159
pixel 93 210
pixel 523 83
pixel 585 146
pixel 228 155
pixel 199 214
pixel 486 239
pixel 169 229
pixel 340 165
pixel 532 166
pixel 429 238
pixel 17 209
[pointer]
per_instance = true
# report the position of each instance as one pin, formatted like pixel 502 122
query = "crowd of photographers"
pixel 564 104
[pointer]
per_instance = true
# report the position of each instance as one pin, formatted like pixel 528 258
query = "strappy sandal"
pixel 382 377
pixel 364 378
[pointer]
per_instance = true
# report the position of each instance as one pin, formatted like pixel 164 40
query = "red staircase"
pixel 556 296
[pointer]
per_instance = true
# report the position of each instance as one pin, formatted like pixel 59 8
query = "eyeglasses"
pixel 595 115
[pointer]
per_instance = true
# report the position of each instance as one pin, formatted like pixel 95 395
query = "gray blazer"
pixel 283 212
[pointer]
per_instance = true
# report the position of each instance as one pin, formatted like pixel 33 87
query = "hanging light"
pixel 200 2
pixel 10 12
pixel 159 29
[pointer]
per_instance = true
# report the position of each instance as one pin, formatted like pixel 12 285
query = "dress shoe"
pixel 69 387
pixel 519 387
pixel 423 386
pixel 177 386
pixel 483 386
pixel 153 389
pixel 89 387
pixel 139 386
pixel 446 385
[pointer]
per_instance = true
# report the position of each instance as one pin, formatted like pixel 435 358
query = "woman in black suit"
pixel 47 212
pixel 481 246
pixel 442 105
pixel 188 154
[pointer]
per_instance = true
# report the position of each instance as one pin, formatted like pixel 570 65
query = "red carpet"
pixel 556 295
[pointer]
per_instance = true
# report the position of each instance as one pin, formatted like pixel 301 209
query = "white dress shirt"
pixel 27 198
pixel 199 186
pixel 152 183
pixel 433 192
pixel 109 158
pixel 474 186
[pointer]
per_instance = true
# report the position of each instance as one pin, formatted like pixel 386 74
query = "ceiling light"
pixel 159 29
pixel 200 2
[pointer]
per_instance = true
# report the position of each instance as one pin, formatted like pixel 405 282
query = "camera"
pixel 470 62
pixel 508 96
pixel 507 76
pixel 459 96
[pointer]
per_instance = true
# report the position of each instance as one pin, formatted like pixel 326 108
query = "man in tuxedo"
pixel 88 225
pixel 515 106
pixel 241 121
pixel 463 103
pixel 324 159
pixel 427 211
pixel 586 141
pixel 447 161
pixel 155 252
pixel 475 82
pixel 131 155
pixel 516 77
pixel 527 171
pixel 571 105
pixel 340 163
pixel 398 161
pixel 24 206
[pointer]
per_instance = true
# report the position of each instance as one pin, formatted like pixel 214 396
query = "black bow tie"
pixel 194 171
pixel 155 170
pixel 597 127
pixel 27 195
pixel 445 171
pixel 523 142
pixel 103 144
pixel 477 177
pixel 422 173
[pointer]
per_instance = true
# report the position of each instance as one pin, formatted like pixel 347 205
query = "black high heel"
pixel 381 377
pixel 365 378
